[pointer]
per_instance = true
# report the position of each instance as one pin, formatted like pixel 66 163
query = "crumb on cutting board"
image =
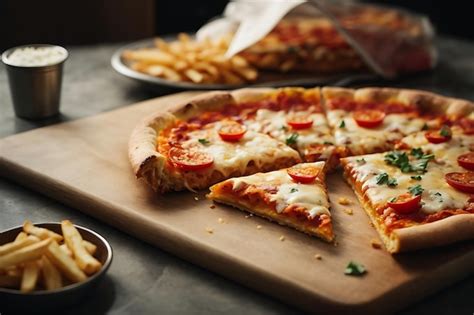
pixel 209 230
pixel 213 206
pixel 344 201
pixel 375 243
pixel 259 227
pixel 348 211
pixel 282 238
pixel 220 220
pixel 196 198
pixel 318 256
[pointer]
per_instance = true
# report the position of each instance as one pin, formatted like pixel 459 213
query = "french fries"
pixel 74 241
pixel 30 276
pixel 42 259
pixel 185 59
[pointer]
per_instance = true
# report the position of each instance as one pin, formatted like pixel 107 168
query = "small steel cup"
pixel 35 90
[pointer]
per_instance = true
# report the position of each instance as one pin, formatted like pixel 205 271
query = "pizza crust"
pixel 446 231
pixel 426 101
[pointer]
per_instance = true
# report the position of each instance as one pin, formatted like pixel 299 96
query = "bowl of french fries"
pixel 50 265
pixel 184 62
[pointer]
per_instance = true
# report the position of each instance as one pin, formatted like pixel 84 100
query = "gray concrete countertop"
pixel 146 280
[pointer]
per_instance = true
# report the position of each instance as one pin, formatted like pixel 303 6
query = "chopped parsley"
pixel 415 190
pixel 328 142
pixel 355 269
pixel 417 152
pixel 204 141
pixel 401 160
pixel 361 161
pixel 438 194
pixel 445 131
pixel 293 190
pixel 393 199
pixel 342 124
pixel 284 128
pixel 425 126
pixel 416 177
pixel 292 139
pixel 383 178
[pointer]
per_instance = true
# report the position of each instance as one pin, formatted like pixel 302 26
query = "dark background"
pixel 98 21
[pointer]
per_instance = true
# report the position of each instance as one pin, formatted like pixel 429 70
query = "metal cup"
pixel 35 90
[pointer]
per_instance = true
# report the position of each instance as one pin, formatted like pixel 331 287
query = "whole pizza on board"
pixel 407 154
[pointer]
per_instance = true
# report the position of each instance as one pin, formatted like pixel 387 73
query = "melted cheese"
pixel 311 197
pixel 361 140
pixel 437 194
pixel 274 123
pixel 235 156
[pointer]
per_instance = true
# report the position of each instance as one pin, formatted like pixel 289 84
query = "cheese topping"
pixel 312 196
pixel 361 140
pixel 274 123
pixel 437 194
pixel 235 156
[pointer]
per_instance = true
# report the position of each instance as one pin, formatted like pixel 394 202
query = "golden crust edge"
pixel 273 218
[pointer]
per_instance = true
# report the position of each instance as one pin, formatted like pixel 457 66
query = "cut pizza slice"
pixel 295 197
pixel 295 117
pixel 201 143
pixel 415 199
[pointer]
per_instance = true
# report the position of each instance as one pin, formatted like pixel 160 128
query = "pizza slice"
pixel 295 117
pixel 200 143
pixel 371 120
pixel 415 199
pixel 295 197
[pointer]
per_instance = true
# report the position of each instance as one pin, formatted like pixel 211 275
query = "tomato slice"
pixel 467 125
pixel 303 174
pixel 368 118
pixel 461 181
pixel 298 122
pixel 406 204
pixel 467 161
pixel 232 131
pixel 190 160
pixel 435 136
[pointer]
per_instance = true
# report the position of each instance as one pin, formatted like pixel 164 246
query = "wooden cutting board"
pixel 84 164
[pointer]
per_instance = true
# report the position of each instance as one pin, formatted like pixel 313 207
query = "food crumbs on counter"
pixel 336 243
pixel 344 201
pixel 375 243
pixel 209 230
pixel 348 211
pixel 247 216
pixel 318 256
pixel 196 198
pixel 282 238
pixel 212 206
pixel 371 224
pixel 220 220
pixel 259 227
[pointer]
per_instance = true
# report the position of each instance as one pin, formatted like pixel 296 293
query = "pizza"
pixel 408 155
pixel 421 196
pixel 313 44
pixel 296 197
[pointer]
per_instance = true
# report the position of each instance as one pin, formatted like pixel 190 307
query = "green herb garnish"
pixel 342 124
pixel 445 131
pixel 328 142
pixel 284 128
pixel 416 177
pixel 293 190
pixel 401 160
pixel 393 199
pixel 361 161
pixel 425 126
pixel 292 139
pixel 417 152
pixel 355 269
pixel 383 178
pixel 204 141
pixel 415 190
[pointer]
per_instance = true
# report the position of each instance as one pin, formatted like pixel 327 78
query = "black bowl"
pixel 37 301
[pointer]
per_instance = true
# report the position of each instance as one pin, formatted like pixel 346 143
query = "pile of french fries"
pixel 42 259
pixel 201 62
